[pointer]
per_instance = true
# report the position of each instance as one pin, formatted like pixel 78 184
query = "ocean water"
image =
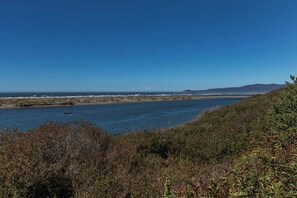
pixel 114 118
pixel 84 94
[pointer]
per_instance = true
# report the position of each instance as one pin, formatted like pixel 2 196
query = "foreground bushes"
pixel 283 116
pixel 269 169
pixel 55 160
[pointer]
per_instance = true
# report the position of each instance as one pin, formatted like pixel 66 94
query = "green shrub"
pixel 267 171
pixel 270 168
pixel 283 116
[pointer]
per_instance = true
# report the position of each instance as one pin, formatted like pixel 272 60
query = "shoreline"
pixel 25 103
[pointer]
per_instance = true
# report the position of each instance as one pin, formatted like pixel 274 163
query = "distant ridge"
pixel 244 90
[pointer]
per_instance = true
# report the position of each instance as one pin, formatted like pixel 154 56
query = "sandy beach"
pixel 8 103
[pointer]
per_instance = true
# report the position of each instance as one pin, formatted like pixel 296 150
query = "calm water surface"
pixel 114 118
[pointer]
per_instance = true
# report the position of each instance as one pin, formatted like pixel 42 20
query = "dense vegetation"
pixel 238 150
pixel 269 168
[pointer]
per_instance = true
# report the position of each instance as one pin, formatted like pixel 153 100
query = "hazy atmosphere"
pixel 167 45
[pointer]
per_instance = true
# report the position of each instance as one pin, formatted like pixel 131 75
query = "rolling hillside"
pixel 244 90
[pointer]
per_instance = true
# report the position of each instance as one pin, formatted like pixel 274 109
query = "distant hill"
pixel 244 90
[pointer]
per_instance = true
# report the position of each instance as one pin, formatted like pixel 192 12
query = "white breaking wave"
pixel 95 96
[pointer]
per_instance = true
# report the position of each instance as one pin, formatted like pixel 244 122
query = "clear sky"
pixel 145 45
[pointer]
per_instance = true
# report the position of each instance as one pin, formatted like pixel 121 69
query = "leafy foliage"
pixel 269 170
pixel 283 116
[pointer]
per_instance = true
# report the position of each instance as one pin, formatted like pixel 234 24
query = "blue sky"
pixel 145 45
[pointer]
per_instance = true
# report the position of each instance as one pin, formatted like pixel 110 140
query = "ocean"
pixel 84 94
